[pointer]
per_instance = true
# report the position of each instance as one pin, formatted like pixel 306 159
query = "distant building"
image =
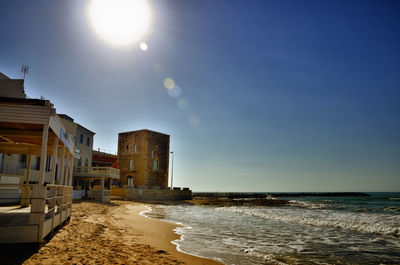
pixel 103 159
pixel 143 158
pixel 89 179
pixel 11 88
pixel 83 139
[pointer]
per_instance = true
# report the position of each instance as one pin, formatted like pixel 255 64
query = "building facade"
pixel 143 158
pixel 83 139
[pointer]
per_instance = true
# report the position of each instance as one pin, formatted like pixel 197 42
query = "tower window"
pixel 155 165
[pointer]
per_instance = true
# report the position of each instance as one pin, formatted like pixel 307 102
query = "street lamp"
pixel 172 170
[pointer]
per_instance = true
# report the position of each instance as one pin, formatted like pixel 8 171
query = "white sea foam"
pixel 312 205
pixel 284 235
pixel 270 258
pixel 143 213
pixel 366 223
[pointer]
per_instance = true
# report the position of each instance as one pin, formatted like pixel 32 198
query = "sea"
pixel 310 230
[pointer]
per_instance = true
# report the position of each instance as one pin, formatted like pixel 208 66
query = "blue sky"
pixel 275 95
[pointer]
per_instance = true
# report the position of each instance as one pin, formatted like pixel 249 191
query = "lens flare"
pixel 194 120
pixel 143 46
pixel 182 103
pixel 169 83
pixel 175 91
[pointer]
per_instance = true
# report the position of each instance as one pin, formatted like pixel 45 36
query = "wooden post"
pixel 60 180
pixel 54 161
pixel 71 166
pixel 43 154
pixel 52 203
pixel 110 185
pixel 102 188
pixel 26 191
pixel 39 191
pixel 66 174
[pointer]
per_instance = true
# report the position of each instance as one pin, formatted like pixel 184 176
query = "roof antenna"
pixel 24 69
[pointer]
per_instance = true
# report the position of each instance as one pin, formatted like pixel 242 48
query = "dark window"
pixel 134 148
pixel 127 149
pixel 129 181
pixel 80 162
pixel 81 139
pixel 22 158
pixel 88 141
pixel 86 162
pixel 48 163
pixel 37 163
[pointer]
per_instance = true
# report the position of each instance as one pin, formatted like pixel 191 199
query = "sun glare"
pixel 121 22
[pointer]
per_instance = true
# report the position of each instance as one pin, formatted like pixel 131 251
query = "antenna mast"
pixel 24 69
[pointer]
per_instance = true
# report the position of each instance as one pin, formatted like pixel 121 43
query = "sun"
pixel 120 22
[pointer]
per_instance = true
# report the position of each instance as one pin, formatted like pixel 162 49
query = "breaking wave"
pixel 365 223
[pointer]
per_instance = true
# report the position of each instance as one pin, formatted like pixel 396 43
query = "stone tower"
pixel 143 158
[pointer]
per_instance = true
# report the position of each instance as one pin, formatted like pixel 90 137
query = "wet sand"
pixel 111 233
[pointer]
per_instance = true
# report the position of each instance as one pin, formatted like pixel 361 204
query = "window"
pixel 127 149
pixel 37 163
pixel 155 165
pixel 48 163
pixel 88 141
pixel 129 181
pixel 22 159
pixel 81 139
pixel 86 162
pixel 80 162
pixel 130 164
pixel 134 148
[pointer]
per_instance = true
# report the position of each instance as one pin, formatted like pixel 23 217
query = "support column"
pixel 60 181
pixel 43 154
pixel 66 174
pixel 26 191
pixel 71 170
pixel 39 191
pixel 54 161
pixel 102 188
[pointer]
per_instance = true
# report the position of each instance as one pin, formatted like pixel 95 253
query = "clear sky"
pixel 274 95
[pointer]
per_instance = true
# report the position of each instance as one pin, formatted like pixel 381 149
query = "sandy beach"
pixel 111 233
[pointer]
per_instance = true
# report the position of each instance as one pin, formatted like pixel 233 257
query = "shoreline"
pixel 164 230
pixel 175 230
pixel 104 233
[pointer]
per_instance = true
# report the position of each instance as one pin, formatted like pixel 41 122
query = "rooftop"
pixel 143 130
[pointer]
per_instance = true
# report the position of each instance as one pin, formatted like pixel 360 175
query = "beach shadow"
pixel 17 253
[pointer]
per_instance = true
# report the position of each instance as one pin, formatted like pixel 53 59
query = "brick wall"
pixel 143 194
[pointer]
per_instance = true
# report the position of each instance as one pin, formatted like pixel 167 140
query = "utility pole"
pixel 172 170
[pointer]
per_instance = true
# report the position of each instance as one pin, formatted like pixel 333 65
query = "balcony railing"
pixel 96 171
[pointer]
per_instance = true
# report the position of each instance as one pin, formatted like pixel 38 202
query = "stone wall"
pixel 145 194
pixel 143 148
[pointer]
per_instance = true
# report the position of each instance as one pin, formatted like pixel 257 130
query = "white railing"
pixel 100 195
pixel 97 170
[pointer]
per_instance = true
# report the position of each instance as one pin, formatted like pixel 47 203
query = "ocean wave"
pixel 270 258
pixel 359 222
pixel 394 199
pixel 392 209
pixel 312 205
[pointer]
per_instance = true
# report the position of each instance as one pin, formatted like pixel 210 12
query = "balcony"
pixel 96 172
